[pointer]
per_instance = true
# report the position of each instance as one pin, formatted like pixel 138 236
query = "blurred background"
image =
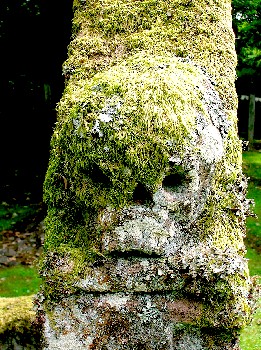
pixel 34 35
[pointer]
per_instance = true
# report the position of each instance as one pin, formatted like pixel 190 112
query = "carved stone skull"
pixel 145 146
pixel 158 217
pixel 146 198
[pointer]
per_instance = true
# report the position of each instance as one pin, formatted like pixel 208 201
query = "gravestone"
pixel 145 193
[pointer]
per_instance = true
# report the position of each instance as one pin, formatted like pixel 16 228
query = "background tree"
pixel 247 27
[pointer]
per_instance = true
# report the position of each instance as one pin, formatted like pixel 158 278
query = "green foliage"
pixel 247 25
pixel 18 280
pixel 32 7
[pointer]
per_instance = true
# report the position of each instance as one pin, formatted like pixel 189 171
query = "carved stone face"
pixel 144 246
pixel 158 222
pixel 147 139
pixel 145 237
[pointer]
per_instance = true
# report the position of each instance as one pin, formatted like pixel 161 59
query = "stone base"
pixel 120 321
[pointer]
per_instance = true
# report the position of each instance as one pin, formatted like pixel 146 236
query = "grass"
pixel 254 262
pixel 252 169
pixel 250 338
pixel 252 164
pixel 18 281
pixel 253 239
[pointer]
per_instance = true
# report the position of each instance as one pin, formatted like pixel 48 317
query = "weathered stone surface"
pixel 130 321
pixel 146 198
pixel 109 321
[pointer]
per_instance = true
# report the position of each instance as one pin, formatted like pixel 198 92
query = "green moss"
pixel 107 32
pixel 227 305
pixel 16 314
pixel 19 325
pixel 223 221
pixel 18 322
pixel 220 280
pixel 104 72
pixel 61 270
pixel 151 104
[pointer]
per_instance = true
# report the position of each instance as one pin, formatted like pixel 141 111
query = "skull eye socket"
pixel 177 179
pixel 141 195
pixel 173 180
pixel 98 177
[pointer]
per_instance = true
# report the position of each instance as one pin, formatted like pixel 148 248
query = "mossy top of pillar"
pixel 107 32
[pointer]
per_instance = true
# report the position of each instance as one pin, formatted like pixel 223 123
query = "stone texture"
pixel 109 321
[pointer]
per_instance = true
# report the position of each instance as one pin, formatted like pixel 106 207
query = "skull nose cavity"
pixel 141 195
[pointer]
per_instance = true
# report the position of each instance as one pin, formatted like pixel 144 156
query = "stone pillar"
pixel 146 198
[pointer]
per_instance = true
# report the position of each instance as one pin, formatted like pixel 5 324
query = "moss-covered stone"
pixel 144 187
pixel 106 32
pixel 122 128
pixel 19 327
